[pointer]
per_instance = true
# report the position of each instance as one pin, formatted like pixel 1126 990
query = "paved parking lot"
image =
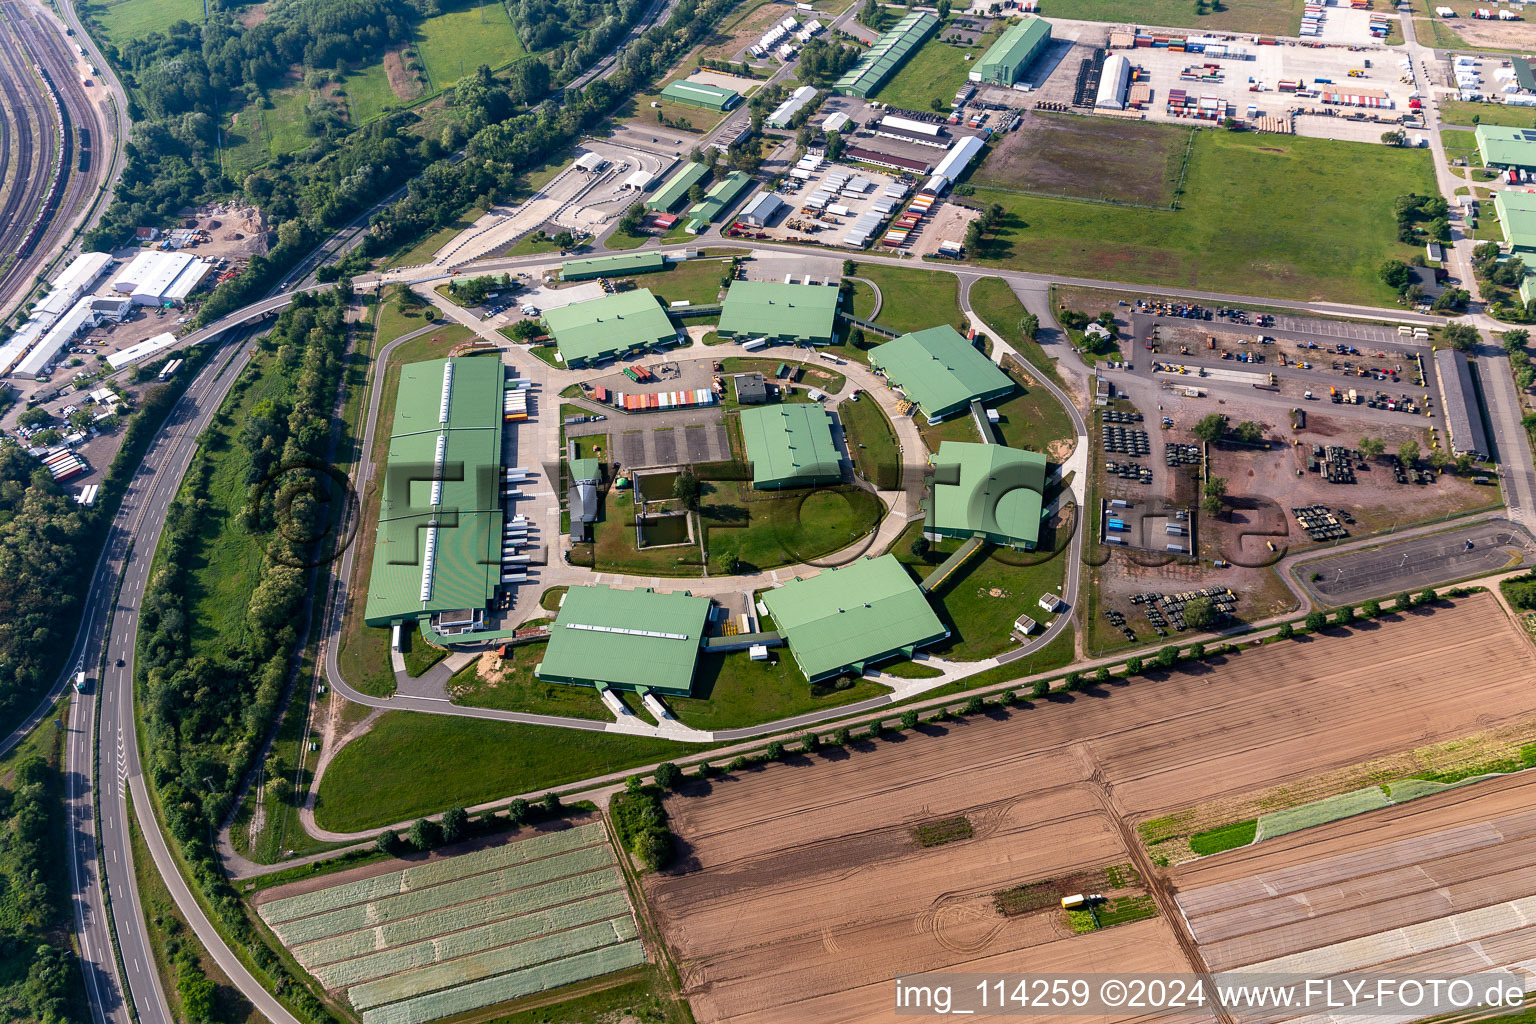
pixel 1419 562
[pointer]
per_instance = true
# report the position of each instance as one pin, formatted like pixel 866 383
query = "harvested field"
pixel 1080 157
pixel 452 934
pixel 1440 885
pixel 799 887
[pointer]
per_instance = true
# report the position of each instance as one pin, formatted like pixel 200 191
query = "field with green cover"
pixel 1459 113
pixel 122 20
pixel 935 72
pixel 731 691
pixel 463 37
pixel 1266 17
pixel 455 934
pixel 1273 215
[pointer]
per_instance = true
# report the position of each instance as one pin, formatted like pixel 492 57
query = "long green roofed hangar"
pixel 626 639
pixel 614 325
pixel 800 313
pixel 940 371
pixel 790 445
pixel 438 545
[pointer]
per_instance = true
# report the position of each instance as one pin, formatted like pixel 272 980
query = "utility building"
pixel 1005 60
pixel 698 94
pixel 73 284
pixel 986 491
pixel 626 639
pixel 437 550
pixel 615 325
pixel 846 618
pixel 156 278
pixel 1114 83
pixel 803 314
pixel 586 477
pixel 790 445
pixel 940 371
pixel 1463 416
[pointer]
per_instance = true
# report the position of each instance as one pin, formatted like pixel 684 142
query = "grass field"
pixel 641 995
pixel 731 691
pixel 1090 158
pixel 369 93
pixel 766 529
pixel 911 300
pixel 1273 215
pixel 246 145
pixel 1267 17
pixel 423 250
pixel 935 72
pixel 696 281
pixel 872 443
pixel 1460 144
pixel 460 761
pixel 519 690
pixel 1001 310
pixel 283 120
pixel 466 35
pixel 1469 114
pixel 123 20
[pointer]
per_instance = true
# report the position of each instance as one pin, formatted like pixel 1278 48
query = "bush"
pixel 1133 667
pixel 1371 609
pixel 387 842
pixel 843 736
pixel 909 719
pixel 1286 631
pixel 973 706
pixel 1316 620
pixel 550 803
pixel 517 812
pixel 810 742
pixel 1040 689
pixel 1197 651
pixel 654 848
pixel 876 730
pixel 668 775
pixel 1427 596
pixel 426 835
pixel 455 824
pixel 1007 698
pixel 1074 682
pixel 774 751
pixel 1402 602
pixel 738 764
pixel 1102 675
pixel 1168 656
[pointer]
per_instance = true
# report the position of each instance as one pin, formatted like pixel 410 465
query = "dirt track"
pixel 801 894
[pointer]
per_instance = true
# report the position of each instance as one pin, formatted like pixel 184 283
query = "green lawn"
pixel 423 250
pixel 412 764
pixel 1460 144
pixel 696 281
pixel 418 654
pixel 1227 837
pixel 369 93
pixel 766 529
pixel 246 146
pixel 466 35
pixel 912 299
pixel 1262 16
pixel 871 442
pixel 1242 228
pixel 935 72
pixel 531 243
pixel 123 20
pixel 1001 310
pixel 1032 417
pixel 731 691
pixel 1458 112
pixel 520 690
pixel 284 120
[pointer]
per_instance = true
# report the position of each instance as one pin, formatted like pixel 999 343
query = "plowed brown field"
pixel 801 894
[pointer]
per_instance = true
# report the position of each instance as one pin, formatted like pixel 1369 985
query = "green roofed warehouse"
pixel 986 491
pixel 853 616
pixel 626 639
pixel 716 201
pixel 1506 147
pixel 1517 219
pixel 940 370
pixel 613 266
pixel 1005 60
pixel 697 94
pixel 675 189
pixel 890 51
pixel 437 550
pixel 790 445
pixel 803 314
pixel 615 325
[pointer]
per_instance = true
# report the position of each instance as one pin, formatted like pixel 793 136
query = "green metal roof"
pixel 586 469
pixel 988 491
pixel 1523 76
pixel 676 188
pixel 589 332
pixel 697 94
pixel 847 617
pixel 1506 147
pixel 889 51
pixel 790 445
pixel 715 202
pixel 612 266
pixel 626 638
pixel 803 313
pixel 1014 49
pixel 939 370
pixel 1517 218
pixel 468 516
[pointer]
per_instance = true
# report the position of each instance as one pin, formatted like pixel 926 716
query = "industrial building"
pixel 586 478
pixel 698 94
pixel 155 278
pixel 18 344
pixel 1114 83
pixel 1516 210
pixel 73 284
pixel 836 122
pixel 955 163
pixel 626 639
pixel 675 189
pixel 1005 60
pixel 913 132
pixel 438 547
pixel 761 211
pixel 802 314
pixel 55 340
pixel 716 201
pixel 986 491
pixel 1507 148
pixel 846 618
pixel 1458 397
pixel 612 266
pixel 143 350
pixel 790 445
pixel 940 371
pixel 880 61
pixel 615 325
pixel 785 112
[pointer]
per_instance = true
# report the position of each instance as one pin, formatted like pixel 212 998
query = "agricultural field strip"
pixel 1395 882
pixel 395 908
pixel 1345 866
pixel 492 963
pixel 508 986
pixel 437 947
pixel 1278 823
pixel 433 873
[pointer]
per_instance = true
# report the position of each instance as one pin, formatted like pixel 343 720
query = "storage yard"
pixel 760 928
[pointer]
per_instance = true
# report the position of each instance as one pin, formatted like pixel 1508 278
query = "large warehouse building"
pixel 437 550
pixel 626 323
pixel 1005 60
pixel 1516 210
pixel 853 616
pixel 697 94
pixel 802 314
pixel 940 371
pixel 73 284
pixel 790 445
pixel 1114 84
pixel 156 278
pixel 626 639
pixel 1506 148
pixel 1458 396
pixel 716 201
pixel 890 51
pixel 675 189
pixel 986 491
pixel 619 265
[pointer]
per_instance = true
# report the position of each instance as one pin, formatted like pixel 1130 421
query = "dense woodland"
pixel 37 978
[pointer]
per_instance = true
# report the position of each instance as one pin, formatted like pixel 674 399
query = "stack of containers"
pixel 514 405
pixel 63 465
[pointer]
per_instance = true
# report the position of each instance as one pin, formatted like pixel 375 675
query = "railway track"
pixel 22 137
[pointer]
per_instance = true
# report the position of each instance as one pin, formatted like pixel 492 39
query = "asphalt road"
pixel 1420 562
